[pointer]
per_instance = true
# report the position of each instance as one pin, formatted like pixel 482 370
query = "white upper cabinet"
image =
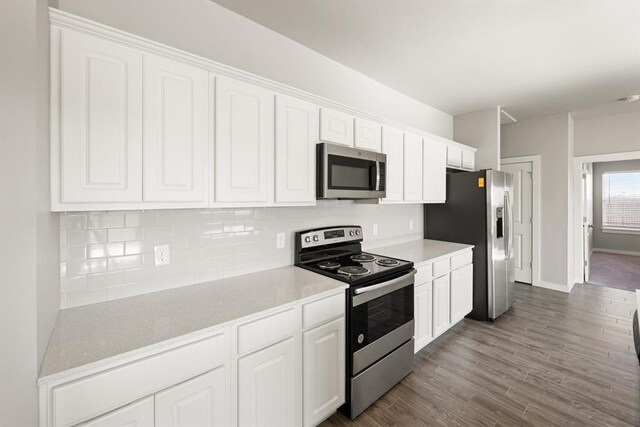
pixel 393 147
pixel 175 132
pixel 244 144
pixel 368 135
pixel 412 167
pixel 269 393
pixel 434 185
pixel 336 127
pixel 201 401
pixel 468 159
pixel 100 128
pixel 454 156
pixel 296 137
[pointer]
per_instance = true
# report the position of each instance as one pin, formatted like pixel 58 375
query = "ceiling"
pixel 531 57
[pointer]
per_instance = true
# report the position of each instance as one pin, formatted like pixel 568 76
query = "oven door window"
pixel 348 173
pixel 376 318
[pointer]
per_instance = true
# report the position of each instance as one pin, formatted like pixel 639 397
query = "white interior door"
pixel 522 218
pixel 587 217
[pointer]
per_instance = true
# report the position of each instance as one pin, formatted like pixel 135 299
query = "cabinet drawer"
pixel 268 330
pixel 423 274
pixel 460 260
pixel 317 312
pixel 440 267
pixel 89 397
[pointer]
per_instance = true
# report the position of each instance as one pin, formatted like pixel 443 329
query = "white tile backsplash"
pixel 109 255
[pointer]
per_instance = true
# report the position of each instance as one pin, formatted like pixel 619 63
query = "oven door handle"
pixel 368 293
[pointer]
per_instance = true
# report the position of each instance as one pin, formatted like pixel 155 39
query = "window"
pixel 621 201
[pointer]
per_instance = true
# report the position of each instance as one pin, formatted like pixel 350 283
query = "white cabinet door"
pixel 137 414
pixel 461 292
pixel 468 159
pixel 175 131
pixel 424 314
pixel 269 386
pixel 441 305
pixel 412 168
pixel 101 121
pixel 434 185
pixel 324 371
pixel 368 135
pixel 296 135
pixel 244 142
pixel 454 156
pixel 201 401
pixel 393 147
pixel 336 127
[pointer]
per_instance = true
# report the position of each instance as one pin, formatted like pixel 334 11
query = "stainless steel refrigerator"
pixel 478 211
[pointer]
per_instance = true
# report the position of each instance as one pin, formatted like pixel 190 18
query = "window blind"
pixel 621 201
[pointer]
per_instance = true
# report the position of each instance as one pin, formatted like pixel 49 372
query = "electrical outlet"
pixel 410 225
pixel 279 240
pixel 162 255
pixel 375 230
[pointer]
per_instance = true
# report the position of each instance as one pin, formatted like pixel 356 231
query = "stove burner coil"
pixel 363 258
pixel 354 271
pixel 329 265
pixel 387 262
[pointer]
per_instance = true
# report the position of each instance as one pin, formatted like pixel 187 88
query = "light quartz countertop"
pixel 91 336
pixel 422 251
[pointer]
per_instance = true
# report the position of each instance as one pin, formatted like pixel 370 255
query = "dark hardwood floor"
pixel 552 359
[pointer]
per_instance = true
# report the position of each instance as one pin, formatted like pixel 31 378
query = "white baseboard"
pixel 554 286
pixel 616 251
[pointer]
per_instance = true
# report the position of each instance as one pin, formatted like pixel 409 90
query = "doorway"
pixel 526 216
pixel 607 220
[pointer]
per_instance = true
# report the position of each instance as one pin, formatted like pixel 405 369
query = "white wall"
pixel 612 241
pixel 616 133
pixel 29 289
pixel 480 129
pixel 549 137
pixel 207 29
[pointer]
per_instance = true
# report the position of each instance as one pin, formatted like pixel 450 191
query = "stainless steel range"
pixel 380 317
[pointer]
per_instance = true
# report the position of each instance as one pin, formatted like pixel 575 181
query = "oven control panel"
pixel 329 236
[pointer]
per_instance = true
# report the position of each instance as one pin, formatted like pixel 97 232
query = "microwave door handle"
pixel 377 175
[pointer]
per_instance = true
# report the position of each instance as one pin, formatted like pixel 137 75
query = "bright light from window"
pixel 621 201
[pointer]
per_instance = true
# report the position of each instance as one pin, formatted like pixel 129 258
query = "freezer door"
pixel 497 227
pixel 511 262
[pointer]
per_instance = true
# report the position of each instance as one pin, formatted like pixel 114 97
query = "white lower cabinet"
pixel 443 301
pixel 423 308
pixel 323 371
pixel 461 292
pixel 441 305
pixel 285 368
pixel 268 391
pixel 137 414
pixel 202 401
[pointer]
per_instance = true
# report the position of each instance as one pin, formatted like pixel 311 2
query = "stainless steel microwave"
pixel 349 173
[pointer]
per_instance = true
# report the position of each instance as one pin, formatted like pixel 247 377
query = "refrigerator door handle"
pixel 508 226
